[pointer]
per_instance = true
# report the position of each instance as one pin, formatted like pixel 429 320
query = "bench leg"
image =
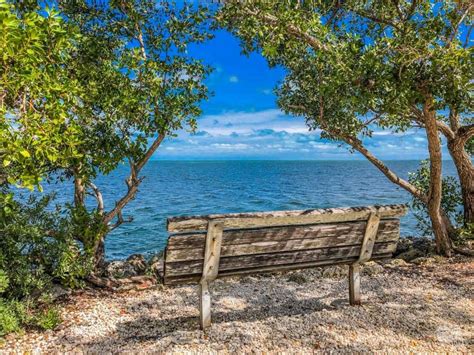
pixel 204 305
pixel 354 284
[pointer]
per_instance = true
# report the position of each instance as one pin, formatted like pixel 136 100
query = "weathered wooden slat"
pixel 212 252
pixel 260 260
pixel 247 236
pixel 270 246
pixel 284 218
pixel 174 280
pixel 370 237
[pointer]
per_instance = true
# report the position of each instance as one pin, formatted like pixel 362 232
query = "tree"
pixel 38 137
pixel 356 65
pixel 451 200
pixel 132 85
pixel 37 132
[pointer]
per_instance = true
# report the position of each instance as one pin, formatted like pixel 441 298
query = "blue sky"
pixel 242 121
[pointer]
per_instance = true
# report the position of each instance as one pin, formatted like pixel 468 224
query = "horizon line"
pixel 282 160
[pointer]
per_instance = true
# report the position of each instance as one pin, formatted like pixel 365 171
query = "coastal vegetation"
pixel 355 66
pixel 86 86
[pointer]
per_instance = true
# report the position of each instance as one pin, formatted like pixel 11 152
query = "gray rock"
pixel 298 278
pixel 335 272
pixel 157 257
pixel 397 263
pixel 119 269
pixel 372 268
pixel 410 248
pixel 404 244
pixel 58 291
pixel 138 262
pixel 410 254
pixel 156 266
pixel 426 261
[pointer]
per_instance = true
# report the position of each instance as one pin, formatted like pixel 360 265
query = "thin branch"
pixel 357 145
pixel 376 19
pixel 468 36
pixel 410 13
pixel 154 146
pixel 133 181
pixel 295 31
pixel 399 11
pixel 442 127
pixel 454 119
pixel 98 196
pixel 392 176
pixel 456 27
pixel 140 41
pixel 465 133
pixel 120 221
pixel 372 120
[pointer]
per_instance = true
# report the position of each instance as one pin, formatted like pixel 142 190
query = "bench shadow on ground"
pixel 146 328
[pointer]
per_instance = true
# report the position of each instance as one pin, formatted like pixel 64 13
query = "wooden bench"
pixel 202 248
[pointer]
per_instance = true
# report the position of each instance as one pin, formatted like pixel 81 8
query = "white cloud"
pixel 270 134
pixel 226 146
pixel 250 122
pixel 234 79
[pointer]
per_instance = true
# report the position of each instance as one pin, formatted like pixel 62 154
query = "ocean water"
pixel 173 188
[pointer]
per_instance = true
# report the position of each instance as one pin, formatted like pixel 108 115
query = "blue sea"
pixel 173 188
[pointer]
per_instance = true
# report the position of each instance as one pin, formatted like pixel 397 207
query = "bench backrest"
pixel 277 241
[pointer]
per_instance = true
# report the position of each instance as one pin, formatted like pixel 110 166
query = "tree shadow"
pixel 285 300
pixel 148 328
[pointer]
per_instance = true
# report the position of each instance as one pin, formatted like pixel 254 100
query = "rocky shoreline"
pixel 140 272
pixel 414 302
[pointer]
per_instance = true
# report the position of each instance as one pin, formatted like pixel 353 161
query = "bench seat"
pixel 202 248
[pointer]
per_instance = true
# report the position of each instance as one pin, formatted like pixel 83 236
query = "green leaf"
pixel 25 153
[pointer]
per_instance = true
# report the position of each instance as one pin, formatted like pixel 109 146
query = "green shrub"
pixel 37 249
pixel 12 315
pixel 451 201
pixel 466 234
pixel 48 318
pixel 3 281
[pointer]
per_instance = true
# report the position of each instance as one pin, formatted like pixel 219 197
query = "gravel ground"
pixel 416 308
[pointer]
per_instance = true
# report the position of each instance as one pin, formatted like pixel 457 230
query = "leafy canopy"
pixel 86 88
pixel 355 64
pixel 141 82
pixel 38 130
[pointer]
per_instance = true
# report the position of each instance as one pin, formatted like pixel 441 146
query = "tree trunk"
pixel 357 145
pixel 465 171
pixel 99 253
pixel 440 228
pixel 79 192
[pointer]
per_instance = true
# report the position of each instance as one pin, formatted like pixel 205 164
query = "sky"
pixel 241 120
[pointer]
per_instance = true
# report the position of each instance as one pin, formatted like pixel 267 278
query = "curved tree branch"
pixel 442 127
pixel 456 27
pixel 98 196
pixel 292 29
pixel 465 133
pixel 357 145
pixel 133 181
